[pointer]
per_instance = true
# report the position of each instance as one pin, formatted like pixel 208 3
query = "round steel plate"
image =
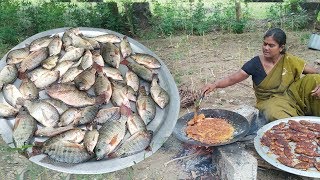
pixel 264 152
pixel 162 125
pixel 240 124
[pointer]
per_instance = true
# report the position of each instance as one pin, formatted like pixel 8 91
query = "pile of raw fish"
pixel 69 89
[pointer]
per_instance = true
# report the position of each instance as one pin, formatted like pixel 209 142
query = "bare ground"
pixel 193 61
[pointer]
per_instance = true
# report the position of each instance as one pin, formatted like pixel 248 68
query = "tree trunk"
pixel 238 10
pixel 141 14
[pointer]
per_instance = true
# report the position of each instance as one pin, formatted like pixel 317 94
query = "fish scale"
pixel 146 60
pixel 90 140
pixel 134 144
pixel 85 79
pixel 24 127
pixel 125 47
pixel 111 54
pixel 34 59
pixel 17 55
pixel 70 95
pixel 28 89
pixel 110 135
pixel 43 112
pixel 55 46
pixel 88 114
pixel 7 110
pixel 8 75
pixel 107 114
pixel 135 124
pixel 145 106
pixel 74 135
pixel 40 43
pixel 158 94
pixel 143 72
pixel 102 86
pixel 64 151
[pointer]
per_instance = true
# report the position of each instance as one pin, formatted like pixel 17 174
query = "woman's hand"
pixel 206 89
pixel 316 92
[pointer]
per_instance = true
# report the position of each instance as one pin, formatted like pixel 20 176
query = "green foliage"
pixel 200 24
pixel 224 17
pixel 164 17
pixel 21 19
pixel 45 16
pixel 190 18
pixel 288 15
pixel 11 24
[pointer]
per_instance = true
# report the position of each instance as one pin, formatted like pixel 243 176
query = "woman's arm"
pixel 310 70
pixel 232 79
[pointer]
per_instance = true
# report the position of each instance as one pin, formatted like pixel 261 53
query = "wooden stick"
pixel 183 157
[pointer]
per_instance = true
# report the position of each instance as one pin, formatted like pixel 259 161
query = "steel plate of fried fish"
pixel 271 158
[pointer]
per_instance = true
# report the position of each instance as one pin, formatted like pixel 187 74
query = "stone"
pixel 249 112
pixel 233 162
pixel 255 118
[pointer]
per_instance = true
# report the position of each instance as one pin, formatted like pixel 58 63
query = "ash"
pixel 197 161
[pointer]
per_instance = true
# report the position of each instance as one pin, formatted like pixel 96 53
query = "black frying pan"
pixel 239 122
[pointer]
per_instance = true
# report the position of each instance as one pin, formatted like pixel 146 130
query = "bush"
pixel 11 25
pixel 288 16
pixel 224 17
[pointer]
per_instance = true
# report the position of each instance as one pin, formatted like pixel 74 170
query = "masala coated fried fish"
pixel 209 130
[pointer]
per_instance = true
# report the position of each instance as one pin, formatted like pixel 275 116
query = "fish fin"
pixel 124 62
pixel 37 148
pixel 35 151
pixel 20 101
pixel 22 75
pixel 16 123
pixel 97 67
pixel 155 76
pixel 144 105
pixel 112 155
pixel 148 148
pixel 101 99
pixel 116 51
pixel 74 145
pixel 113 140
pixel 125 110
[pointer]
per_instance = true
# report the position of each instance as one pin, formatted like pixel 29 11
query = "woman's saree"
pixel 284 94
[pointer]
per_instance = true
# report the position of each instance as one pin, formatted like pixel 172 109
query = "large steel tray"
pixel 162 125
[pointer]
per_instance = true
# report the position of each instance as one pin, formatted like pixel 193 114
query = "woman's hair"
pixel 279 36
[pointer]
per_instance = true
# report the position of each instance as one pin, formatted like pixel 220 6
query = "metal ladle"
pixel 198 102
